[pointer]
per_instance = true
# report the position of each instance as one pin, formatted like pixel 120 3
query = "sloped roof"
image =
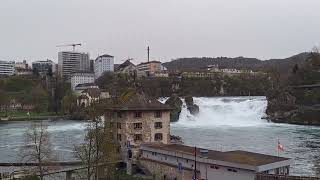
pixel 134 101
pixel 93 92
pixel 86 85
pixel 123 65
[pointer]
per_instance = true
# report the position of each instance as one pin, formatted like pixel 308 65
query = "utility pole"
pixel 148 53
pixel 195 163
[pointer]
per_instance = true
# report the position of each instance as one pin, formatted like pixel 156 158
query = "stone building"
pixel 177 162
pixel 139 119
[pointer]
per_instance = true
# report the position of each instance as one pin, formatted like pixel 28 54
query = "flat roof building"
pixel 175 161
pixel 7 68
pixel 81 78
pixel 148 68
pixel 102 64
pixel 70 62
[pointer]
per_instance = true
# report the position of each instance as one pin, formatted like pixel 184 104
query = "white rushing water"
pixel 225 111
pixel 224 123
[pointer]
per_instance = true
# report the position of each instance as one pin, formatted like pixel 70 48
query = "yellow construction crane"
pixel 73 45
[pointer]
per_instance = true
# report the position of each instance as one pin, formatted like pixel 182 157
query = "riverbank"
pixel 25 116
pixel 304 115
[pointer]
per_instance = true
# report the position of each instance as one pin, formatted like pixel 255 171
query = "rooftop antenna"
pixel 148 53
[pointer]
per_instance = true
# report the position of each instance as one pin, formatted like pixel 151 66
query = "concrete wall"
pixel 160 171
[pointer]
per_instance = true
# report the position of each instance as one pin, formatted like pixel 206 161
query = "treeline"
pixel 243 85
pixel 37 93
pixel 281 65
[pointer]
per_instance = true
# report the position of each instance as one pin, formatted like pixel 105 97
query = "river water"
pixel 224 123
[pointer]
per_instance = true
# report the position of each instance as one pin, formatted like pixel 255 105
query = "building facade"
pixel 7 68
pixel 43 67
pixel 102 64
pixel 149 68
pixel 22 65
pixel 70 62
pixel 179 162
pixel 139 119
pixel 81 78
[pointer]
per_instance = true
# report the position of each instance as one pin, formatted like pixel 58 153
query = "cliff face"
pixel 297 101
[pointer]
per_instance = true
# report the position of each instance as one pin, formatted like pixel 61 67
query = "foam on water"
pixel 225 111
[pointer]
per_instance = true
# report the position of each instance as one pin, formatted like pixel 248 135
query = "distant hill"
pixel 283 65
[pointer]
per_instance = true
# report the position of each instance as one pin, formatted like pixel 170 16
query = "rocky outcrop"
pixel 193 108
pixel 176 104
pixel 282 108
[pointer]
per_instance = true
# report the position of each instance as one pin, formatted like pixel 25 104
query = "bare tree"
pixel 98 149
pixel 37 149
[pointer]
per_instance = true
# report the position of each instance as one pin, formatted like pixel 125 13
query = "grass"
pixel 25 114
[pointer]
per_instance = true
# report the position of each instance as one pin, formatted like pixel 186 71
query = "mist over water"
pixel 225 111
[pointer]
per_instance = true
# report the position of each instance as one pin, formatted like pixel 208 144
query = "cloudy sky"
pixel 31 29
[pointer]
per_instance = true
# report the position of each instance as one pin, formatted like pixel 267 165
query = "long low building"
pixel 177 162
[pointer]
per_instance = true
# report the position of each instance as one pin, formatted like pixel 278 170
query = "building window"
pixel 158 137
pixel 138 137
pixel 119 114
pixel 119 137
pixel 157 114
pixel 232 170
pixel 158 125
pixel 214 167
pixel 137 126
pixel 138 114
pixel 119 125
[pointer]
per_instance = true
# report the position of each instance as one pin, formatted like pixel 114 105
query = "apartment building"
pixel 7 68
pixel 43 67
pixel 81 78
pixel 148 68
pixel 70 62
pixel 102 64
pixel 139 119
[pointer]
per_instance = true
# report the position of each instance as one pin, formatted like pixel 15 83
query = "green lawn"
pixel 25 114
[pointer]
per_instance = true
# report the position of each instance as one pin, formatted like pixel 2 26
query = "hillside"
pixel 239 63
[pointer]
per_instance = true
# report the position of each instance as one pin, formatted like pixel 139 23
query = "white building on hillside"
pixel 81 78
pixel 103 64
pixel 7 68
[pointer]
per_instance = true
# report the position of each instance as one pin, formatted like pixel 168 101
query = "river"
pixel 224 123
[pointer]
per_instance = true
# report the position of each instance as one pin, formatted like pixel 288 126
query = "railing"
pixel 282 177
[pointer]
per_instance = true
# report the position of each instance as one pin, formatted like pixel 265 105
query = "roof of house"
pixel 105 55
pixel 124 65
pixel 149 62
pixel 93 92
pixel 239 157
pixel 86 85
pixel 134 101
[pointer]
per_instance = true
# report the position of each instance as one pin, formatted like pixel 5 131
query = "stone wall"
pixel 166 171
pixel 277 177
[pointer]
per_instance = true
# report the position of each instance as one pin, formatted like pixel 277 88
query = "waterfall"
pixel 225 111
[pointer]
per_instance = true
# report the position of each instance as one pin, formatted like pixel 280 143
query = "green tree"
pixel 69 103
pixel 39 98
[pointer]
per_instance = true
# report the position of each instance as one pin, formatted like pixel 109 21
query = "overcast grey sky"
pixel 31 29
